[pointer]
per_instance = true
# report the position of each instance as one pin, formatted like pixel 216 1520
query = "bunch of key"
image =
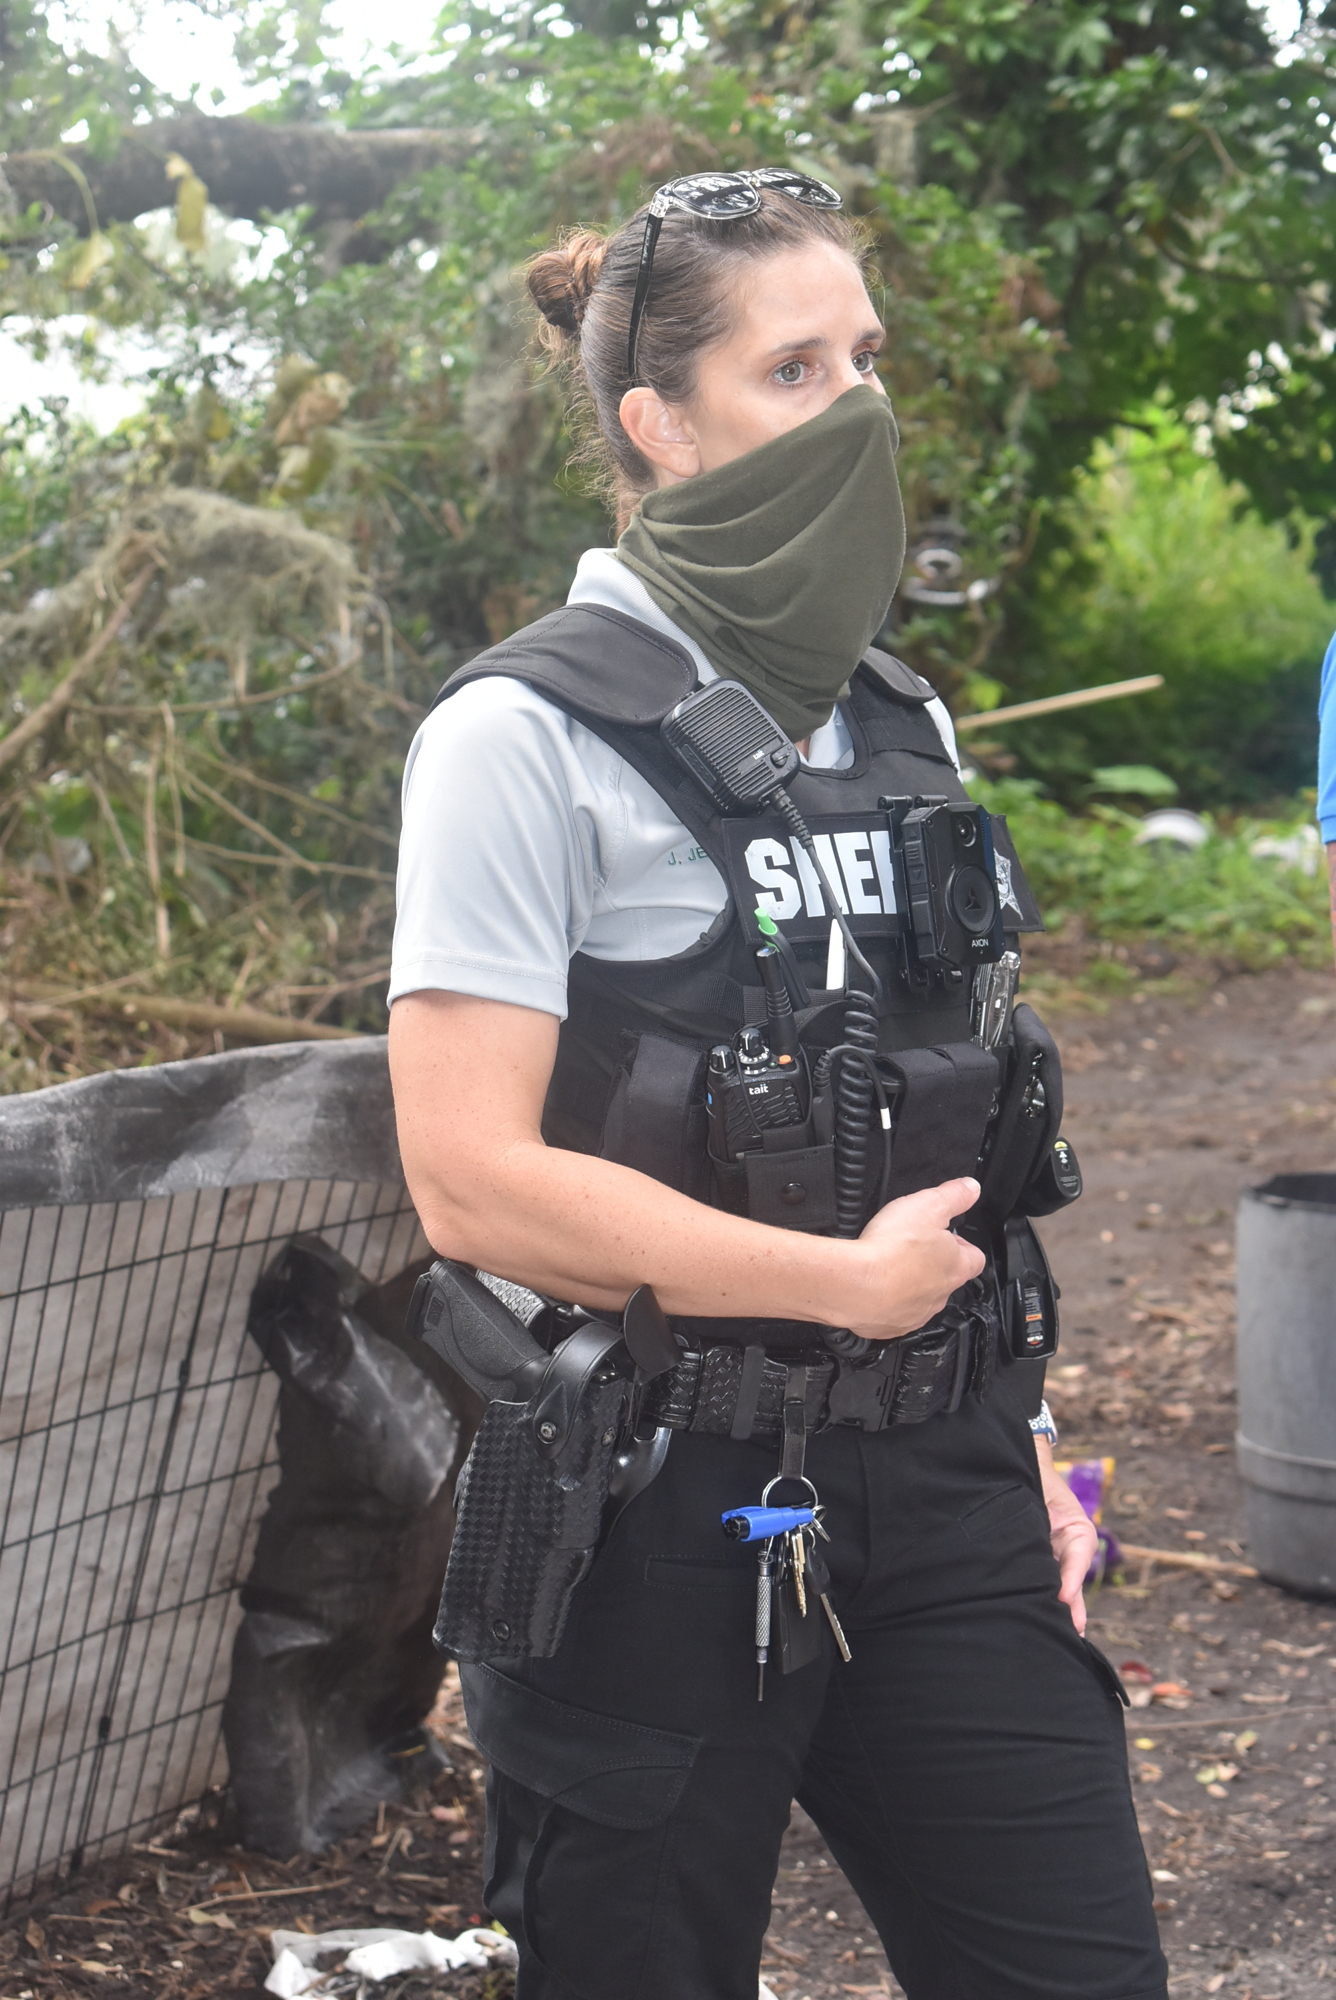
pixel 791 1571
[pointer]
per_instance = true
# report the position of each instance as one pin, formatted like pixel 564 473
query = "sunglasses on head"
pixel 714 198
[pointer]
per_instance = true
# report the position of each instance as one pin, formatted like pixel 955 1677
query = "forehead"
pixel 809 289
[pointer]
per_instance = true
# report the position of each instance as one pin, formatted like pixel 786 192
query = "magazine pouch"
pixel 655 1116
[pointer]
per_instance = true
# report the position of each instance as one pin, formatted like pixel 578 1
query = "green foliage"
pixel 443 467
pixel 49 86
pixel 214 815
pixel 1087 215
pixel 1164 569
pixel 1166 173
pixel 1219 900
pixel 1139 780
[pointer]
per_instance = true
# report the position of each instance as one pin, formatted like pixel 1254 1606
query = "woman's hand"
pixel 913 1260
pixel 1071 1531
pixel 470 1080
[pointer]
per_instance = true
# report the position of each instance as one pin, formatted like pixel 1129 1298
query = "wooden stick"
pixel 1188 1559
pixel 22 734
pixel 1150 1718
pixel 244 1896
pixel 1051 703
pixel 247 1024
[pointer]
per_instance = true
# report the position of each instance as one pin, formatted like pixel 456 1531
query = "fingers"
pixel 1074 1564
pixel 912 1261
pixel 1074 1545
pixel 924 1214
pixel 940 1205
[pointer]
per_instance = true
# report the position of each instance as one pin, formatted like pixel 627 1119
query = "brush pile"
pixel 198 792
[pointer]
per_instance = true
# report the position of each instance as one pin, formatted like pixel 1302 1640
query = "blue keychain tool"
pixel 778 1529
pixel 756 1524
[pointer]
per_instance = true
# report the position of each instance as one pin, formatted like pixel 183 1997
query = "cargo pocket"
pixel 618 1774
pixel 580 1842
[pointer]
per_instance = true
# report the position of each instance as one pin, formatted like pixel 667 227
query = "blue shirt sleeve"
pixel 1326 747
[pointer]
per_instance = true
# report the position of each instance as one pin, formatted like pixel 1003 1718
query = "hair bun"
pixel 561 280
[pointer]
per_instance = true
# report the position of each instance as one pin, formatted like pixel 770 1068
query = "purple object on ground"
pixel 1086 1479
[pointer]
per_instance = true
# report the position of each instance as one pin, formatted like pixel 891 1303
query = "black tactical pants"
pixel 967 1767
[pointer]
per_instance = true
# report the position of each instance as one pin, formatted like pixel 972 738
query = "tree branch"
pixel 243 1024
pixel 249 168
pixel 63 692
pixel 1285 280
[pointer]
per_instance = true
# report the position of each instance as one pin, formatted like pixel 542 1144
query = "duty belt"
pixel 729 1390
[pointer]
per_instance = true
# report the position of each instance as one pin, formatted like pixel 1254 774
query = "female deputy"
pixel 966 1764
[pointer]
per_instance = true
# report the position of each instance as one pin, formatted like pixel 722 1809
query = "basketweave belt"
pixel 728 1390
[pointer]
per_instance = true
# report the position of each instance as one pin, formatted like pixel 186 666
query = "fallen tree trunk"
pixel 250 169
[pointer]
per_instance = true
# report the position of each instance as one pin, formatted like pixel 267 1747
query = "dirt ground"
pixel 1179 1096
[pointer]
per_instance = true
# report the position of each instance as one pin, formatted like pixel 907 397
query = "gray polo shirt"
pixel 526 839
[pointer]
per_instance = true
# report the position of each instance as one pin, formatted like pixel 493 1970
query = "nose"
pixel 846 376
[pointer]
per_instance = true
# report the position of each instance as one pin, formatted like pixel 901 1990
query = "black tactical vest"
pixel 628 1081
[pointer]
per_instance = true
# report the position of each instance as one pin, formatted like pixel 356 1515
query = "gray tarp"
pixel 300 1110
pixel 137 1211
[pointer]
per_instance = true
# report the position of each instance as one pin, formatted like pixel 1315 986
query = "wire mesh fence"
pixel 136 1451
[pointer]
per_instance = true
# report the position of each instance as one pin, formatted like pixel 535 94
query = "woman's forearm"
pixel 490 1193
pixel 585 1229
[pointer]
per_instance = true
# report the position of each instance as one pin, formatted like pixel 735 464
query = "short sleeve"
pixel 498 857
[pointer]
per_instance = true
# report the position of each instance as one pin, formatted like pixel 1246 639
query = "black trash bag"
pixel 333 1668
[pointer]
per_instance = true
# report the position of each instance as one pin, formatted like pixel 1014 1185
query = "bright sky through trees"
pixel 188 53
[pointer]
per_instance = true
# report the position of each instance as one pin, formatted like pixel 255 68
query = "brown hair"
pixel 584 286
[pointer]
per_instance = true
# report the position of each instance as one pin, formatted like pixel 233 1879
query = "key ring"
pixel 800 1479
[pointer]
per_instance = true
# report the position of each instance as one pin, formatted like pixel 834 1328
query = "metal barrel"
pixel 1287 1378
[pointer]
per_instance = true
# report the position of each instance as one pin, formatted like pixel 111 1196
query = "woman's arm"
pixel 470 1078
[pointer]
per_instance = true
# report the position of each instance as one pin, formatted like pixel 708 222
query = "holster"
pixel 547 1470
pixel 526 1528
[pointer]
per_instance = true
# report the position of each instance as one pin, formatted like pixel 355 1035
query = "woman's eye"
pixel 790 373
pixel 866 362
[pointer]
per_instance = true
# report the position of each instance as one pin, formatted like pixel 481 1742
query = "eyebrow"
pixel 877 332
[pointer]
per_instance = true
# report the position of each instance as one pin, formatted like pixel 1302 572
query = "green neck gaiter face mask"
pixel 782 564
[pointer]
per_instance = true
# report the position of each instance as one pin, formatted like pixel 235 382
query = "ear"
pixel 660 434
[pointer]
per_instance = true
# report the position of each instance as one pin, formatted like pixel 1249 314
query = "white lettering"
pixel 855 852
pixel 816 902
pixel 779 896
pixel 823 846
pixel 881 854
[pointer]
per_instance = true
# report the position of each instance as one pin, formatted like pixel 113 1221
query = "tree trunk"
pixel 249 168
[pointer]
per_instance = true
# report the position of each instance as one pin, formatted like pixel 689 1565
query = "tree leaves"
pixel 192 203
